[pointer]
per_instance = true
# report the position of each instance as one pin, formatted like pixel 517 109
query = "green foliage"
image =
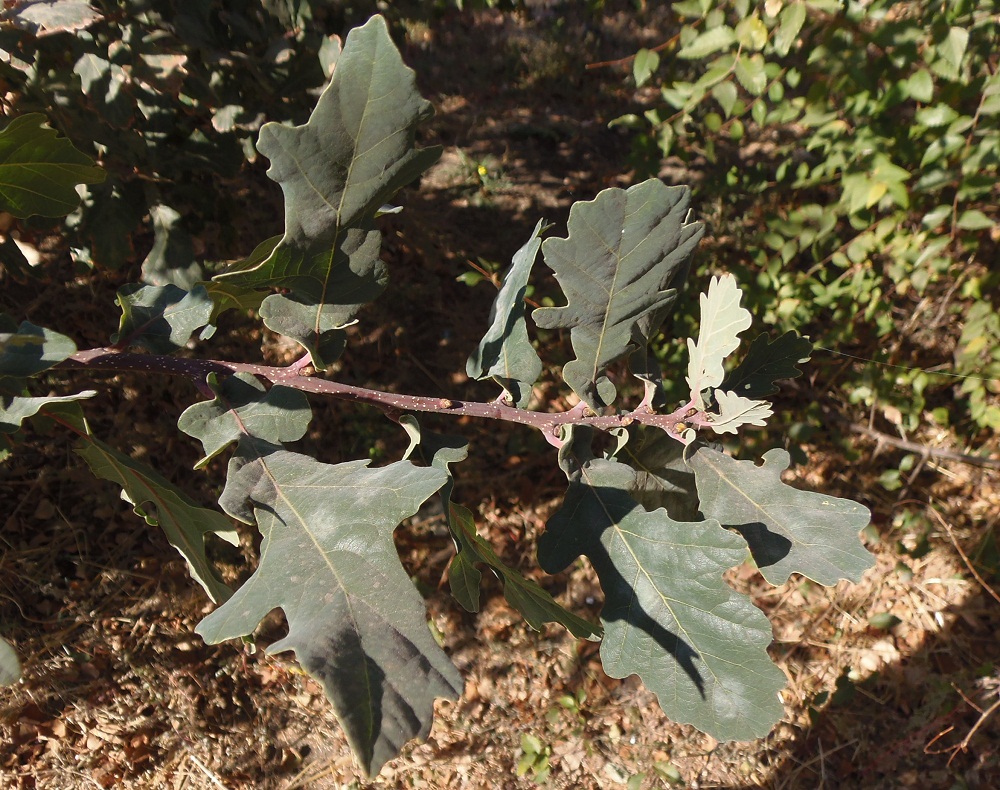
pixel 660 516
pixel 158 92
pixel 31 152
pixel 854 149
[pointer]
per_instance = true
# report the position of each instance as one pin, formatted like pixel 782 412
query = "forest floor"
pixel 893 682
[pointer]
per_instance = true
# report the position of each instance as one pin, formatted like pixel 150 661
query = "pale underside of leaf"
pixel 722 320
pixel 788 530
pixel 625 254
pixel 668 616
pixel 736 411
pixel 355 621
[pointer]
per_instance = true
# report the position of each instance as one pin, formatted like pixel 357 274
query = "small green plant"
pixel 534 758
pixel 659 510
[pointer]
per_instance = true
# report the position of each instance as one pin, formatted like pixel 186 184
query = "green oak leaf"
pixel 242 406
pixel 642 362
pixel 31 349
pixel 161 318
pixel 788 530
pixel 39 171
pixel 534 603
pixel 183 521
pixel 337 172
pixel 662 479
pixel 766 362
pixel 171 261
pixel 19 409
pixel 623 257
pixel 668 615
pixel 527 597
pixel 505 352
pixel 722 320
pixel 355 620
pixel 320 331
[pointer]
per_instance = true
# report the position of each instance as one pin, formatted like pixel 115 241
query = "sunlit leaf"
pixel 722 320
pixel 625 255
pixel 668 615
pixel 710 41
pixel 735 411
pixel 788 530
pixel 46 17
pixel 355 620
pixel 32 349
pixel 20 409
pixel 242 406
pixel 790 22
pixel 10 664
pixel 336 172
pixel 645 63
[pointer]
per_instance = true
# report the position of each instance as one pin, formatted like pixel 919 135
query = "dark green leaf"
pixel 534 603
pixel 505 352
pixel 626 252
pixel 171 261
pixel 39 171
pixel 788 530
pixel 32 349
pixel 336 173
pixel 668 615
pixel 355 621
pixel 160 318
pixel 183 521
pixel 242 406
pixel 767 362
pixel 662 479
